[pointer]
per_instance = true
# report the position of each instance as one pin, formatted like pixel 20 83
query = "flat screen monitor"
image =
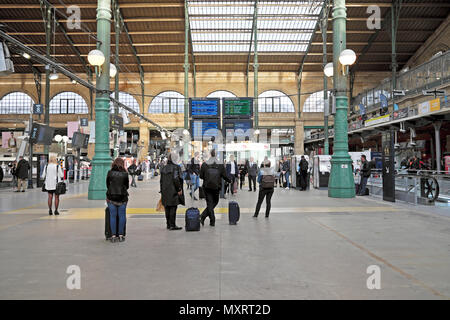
pixel 42 134
pixel 80 140
pixel 204 107
pixel 237 107
pixel 204 129
pixel 237 128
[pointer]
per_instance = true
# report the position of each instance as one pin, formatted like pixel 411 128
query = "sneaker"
pixel 121 238
pixel 287 188
pixel 113 239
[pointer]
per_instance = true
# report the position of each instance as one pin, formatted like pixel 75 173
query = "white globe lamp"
pixel 347 57
pixel 328 70
pixel 58 138
pixel 112 70
pixel 96 58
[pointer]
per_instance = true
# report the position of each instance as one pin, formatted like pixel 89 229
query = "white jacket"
pixel 51 178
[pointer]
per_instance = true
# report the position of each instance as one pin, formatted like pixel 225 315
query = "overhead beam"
pixel 156 44
pixel 176 19
pixel 150 32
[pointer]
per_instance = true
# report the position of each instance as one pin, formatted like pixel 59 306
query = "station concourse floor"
pixel 311 247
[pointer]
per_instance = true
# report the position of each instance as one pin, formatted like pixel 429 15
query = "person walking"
pixel 365 174
pixel 194 172
pixel 266 180
pixel 132 169
pixel 53 174
pixel 303 173
pixel 171 187
pixel 212 172
pixel 252 169
pixel 242 173
pixel 232 173
pixel 117 184
pixel 286 170
pixel 1 173
pixel 22 174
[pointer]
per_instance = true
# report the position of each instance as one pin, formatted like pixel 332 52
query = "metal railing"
pixel 430 74
pixel 415 186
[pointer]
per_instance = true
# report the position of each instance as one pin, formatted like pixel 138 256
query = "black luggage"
pixel 140 178
pixel 234 212
pixel 284 184
pixel 201 193
pixel 192 219
pixel 108 233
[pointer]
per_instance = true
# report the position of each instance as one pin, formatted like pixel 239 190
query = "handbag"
pixel 60 186
pixel 43 185
pixel 159 206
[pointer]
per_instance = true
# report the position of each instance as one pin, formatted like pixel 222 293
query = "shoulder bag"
pixel 60 186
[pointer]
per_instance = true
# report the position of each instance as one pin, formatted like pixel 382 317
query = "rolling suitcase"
pixel 141 178
pixel 108 233
pixel 234 212
pixel 192 219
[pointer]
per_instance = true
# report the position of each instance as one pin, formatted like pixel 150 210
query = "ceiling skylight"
pixel 227 26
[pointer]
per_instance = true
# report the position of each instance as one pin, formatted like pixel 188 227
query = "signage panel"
pixel 377 120
pixel 237 107
pixel 204 107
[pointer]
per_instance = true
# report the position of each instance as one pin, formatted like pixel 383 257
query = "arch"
pixel 275 101
pixel 127 99
pixel 68 102
pixel 167 102
pixel 314 103
pixel 221 94
pixel 16 102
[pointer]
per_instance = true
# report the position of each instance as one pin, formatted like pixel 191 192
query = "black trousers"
pixel 264 193
pixel 250 180
pixel 242 178
pixel 303 180
pixel 171 214
pixel 212 199
pixel 230 186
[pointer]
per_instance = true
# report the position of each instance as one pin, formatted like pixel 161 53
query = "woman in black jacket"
pixel 171 186
pixel 117 183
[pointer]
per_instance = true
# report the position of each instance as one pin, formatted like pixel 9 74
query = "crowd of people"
pixel 218 178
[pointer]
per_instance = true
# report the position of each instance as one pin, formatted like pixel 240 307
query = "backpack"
pixel 212 177
pixel 267 181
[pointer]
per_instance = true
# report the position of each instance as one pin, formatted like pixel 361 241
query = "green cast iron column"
pixel 256 65
pixel 341 183
pixel 116 78
pixel 186 66
pixel 48 33
pixel 101 162
pixel 324 28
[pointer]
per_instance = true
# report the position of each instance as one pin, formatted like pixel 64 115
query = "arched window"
pixel 68 102
pixel 16 103
pixel 314 103
pixel 221 94
pixel 274 101
pixel 127 99
pixel 167 102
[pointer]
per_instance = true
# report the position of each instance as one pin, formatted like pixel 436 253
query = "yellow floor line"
pixel 43 204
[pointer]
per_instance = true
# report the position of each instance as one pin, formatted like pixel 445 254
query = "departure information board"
pixel 237 128
pixel 237 107
pixel 204 108
pixel 204 129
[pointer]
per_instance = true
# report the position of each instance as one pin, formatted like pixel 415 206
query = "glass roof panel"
pixel 227 26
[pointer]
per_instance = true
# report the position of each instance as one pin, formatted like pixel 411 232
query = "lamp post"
pixel 102 159
pixel 341 183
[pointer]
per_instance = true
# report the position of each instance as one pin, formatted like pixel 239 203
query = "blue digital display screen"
pixel 237 128
pixel 204 107
pixel 204 128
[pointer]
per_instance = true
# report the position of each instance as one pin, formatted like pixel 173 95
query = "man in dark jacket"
pixel 212 172
pixel 232 173
pixel 365 174
pixel 132 170
pixel 1 174
pixel 171 187
pixel 22 174
pixel 286 170
pixel 303 173
pixel 252 169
